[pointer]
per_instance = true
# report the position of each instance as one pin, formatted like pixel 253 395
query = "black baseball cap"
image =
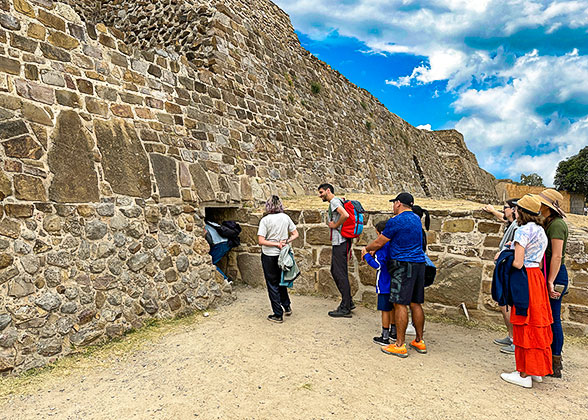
pixel 404 198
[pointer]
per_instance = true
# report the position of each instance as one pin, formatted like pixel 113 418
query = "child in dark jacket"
pixel 378 261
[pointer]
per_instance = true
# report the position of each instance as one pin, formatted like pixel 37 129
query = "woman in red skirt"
pixel 532 334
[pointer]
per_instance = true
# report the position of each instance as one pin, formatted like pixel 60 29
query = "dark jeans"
pixel 278 295
pixel 556 328
pixel 340 274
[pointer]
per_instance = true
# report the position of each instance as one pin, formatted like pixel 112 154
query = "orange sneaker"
pixel 396 351
pixel 419 346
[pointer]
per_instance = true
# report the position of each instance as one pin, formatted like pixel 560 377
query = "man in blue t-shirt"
pixel 406 265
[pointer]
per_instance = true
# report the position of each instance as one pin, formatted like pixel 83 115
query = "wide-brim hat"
pixel 530 204
pixel 552 199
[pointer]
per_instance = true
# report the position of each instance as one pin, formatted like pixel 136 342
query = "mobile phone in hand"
pixel 559 288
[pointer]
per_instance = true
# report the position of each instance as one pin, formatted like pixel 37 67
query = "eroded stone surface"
pixel 125 162
pixel 71 162
pixel 165 171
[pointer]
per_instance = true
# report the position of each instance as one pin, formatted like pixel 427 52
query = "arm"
pixel 519 256
pixel 490 209
pixel 554 266
pixel 377 243
pixel 262 241
pixel 372 262
pixel 293 236
pixel 344 216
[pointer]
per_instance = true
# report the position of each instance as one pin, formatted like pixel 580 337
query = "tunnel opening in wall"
pixel 223 233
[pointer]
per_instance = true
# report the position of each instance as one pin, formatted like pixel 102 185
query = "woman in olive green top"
pixel 555 270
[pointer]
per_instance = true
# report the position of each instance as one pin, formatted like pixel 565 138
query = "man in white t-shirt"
pixel 341 246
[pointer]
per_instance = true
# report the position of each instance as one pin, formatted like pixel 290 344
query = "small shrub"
pixel 290 98
pixel 315 87
pixel 368 125
pixel 363 105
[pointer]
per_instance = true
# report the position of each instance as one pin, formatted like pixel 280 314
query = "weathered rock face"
pixel 125 163
pixel 223 92
pixel 70 160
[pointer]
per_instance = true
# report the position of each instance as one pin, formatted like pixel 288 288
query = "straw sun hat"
pixel 530 204
pixel 552 199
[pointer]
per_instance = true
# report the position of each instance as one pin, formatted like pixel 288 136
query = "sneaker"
pixel 275 318
pixel 516 379
pixel 396 351
pixel 393 333
pixel 287 311
pixel 352 305
pixel 419 346
pixel 340 313
pixel 410 330
pixel 506 341
pixel 537 379
pixel 508 349
pixel 381 340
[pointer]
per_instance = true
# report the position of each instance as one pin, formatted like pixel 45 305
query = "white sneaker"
pixel 537 379
pixel 410 330
pixel 516 379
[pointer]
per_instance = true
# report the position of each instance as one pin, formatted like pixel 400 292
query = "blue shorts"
pixel 384 303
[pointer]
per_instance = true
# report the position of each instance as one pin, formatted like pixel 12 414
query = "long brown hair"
pixel 552 216
pixel 523 218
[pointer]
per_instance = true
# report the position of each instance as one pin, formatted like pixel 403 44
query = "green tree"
pixel 572 173
pixel 533 180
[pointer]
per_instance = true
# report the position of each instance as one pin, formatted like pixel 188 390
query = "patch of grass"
pixel 363 105
pixel 368 125
pixel 315 87
pixel 306 386
pixel 290 98
pixel 90 357
pixel 289 79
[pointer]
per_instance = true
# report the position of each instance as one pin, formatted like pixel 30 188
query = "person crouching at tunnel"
pixel 272 235
pixel 532 334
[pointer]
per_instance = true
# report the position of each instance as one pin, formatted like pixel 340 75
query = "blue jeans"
pixel 558 337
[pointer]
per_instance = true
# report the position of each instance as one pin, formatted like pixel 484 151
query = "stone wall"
pixel 572 202
pixel 461 243
pixel 72 275
pixel 226 87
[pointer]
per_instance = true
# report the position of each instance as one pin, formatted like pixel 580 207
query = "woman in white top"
pixel 273 236
pixel 532 334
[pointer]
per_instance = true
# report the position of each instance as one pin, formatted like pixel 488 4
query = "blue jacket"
pixel 378 261
pixel 510 286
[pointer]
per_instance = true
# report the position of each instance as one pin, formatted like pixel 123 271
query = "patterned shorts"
pixel 407 282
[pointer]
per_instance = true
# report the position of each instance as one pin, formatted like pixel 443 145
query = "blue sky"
pixel 511 75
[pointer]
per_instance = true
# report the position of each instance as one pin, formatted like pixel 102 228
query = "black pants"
pixel 340 274
pixel 278 295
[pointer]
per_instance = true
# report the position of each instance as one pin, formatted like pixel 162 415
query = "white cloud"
pixel 424 127
pixel 520 85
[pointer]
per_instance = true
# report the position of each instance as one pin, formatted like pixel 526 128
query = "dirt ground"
pixel 236 364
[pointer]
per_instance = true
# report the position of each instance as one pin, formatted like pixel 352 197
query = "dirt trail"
pixel 236 364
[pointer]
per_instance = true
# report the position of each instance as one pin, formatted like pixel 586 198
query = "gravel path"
pixel 237 365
